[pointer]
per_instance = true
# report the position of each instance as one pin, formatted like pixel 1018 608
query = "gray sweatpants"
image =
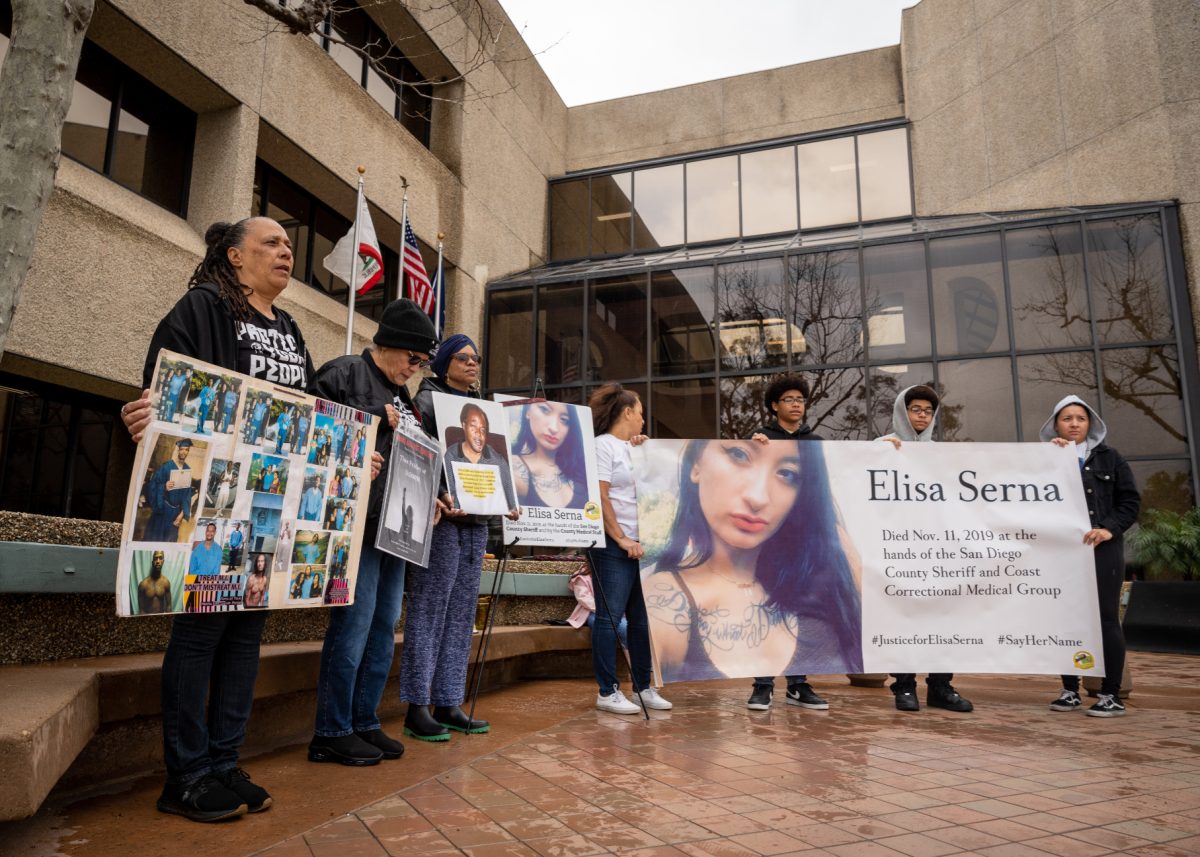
pixel 441 613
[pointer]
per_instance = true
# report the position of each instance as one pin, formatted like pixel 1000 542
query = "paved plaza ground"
pixel 555 778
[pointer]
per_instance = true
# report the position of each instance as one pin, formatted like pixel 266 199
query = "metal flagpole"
pixel 403 233
pixel 354 265
pixel 437 293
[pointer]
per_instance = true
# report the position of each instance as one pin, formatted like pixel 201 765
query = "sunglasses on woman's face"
pixel 418 361
pixel 469 358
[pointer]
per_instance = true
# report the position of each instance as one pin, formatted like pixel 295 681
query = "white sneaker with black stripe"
pixel 1068 700
pixel 1106 706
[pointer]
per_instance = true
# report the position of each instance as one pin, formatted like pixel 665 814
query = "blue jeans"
pixel 618 588
pixel 622 629
pixel 359 644
pixel 211 657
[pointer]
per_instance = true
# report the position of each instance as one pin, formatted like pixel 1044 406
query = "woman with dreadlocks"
pixel 228 318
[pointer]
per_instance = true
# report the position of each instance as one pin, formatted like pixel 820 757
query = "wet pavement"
pixel 555 778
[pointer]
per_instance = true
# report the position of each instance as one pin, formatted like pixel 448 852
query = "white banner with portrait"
pixel 473 435
pixel 554 474
pixel 797 557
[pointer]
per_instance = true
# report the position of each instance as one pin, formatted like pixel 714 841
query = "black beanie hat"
pixel 405 325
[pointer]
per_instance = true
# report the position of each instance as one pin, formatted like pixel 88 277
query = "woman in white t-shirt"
pixel 617 420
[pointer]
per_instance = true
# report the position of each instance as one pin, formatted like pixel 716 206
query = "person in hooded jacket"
pixel 1113 503
pixel 361 638
pixel 442 597
pixel 228 318
pixel 914 419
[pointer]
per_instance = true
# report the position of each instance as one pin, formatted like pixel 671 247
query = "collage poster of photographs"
pixel 245 495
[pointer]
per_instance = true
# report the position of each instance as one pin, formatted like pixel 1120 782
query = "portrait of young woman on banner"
pixel 747 571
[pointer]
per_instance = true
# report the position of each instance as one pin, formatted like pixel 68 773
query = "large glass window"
pixel 977 400
pixel 1129 284
pixel 684 408
pixel 837 407
pixel 510 339
pixel 883 174
pixel 828 183
pixel 712 200
pixel 897 300
pixel 55 446
pixel 612 214
pixel 741 404
pixel 569 231
pixel 128 129
pixel 1143 405
pixel 367 54
pixel 560 333
pixel 681 319
pixel 617 327
pixel 1045 378
pixel 1049 295
pixel 705 198
pixel 968 294
pixel 753 330
pixel 826 307
pixel 658 199
pixel 768 186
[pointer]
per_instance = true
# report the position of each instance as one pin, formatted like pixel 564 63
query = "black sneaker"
pixel 906 700
pixel 1068 700
pixel 945 696
pixel 453 717
pixel 760 697
pixel 389 746
pixel 345 750
pixel 1107 706
pixel 207 799
pixel 237 781
pixel 419 724
pixel 802 694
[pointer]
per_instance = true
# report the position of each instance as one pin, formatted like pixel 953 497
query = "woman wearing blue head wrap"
pixel 442 597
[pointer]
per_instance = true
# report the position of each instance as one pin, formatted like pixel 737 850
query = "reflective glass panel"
pixel 560 333
pixel 968 294
pixel 659 202
pixel 1045 278
pixel 769 191
pixel 681 318
pixel 883 174
pixel 510 338
pixel 712 199
pixel 977 400
pixel 85 130
pixel 569 219
pixel 1128 279
pixel 826 307
pixel 887 382
pixel 1163 485
pixel 684 409
pixel 1143 400
pixel 828 192
pixel 1046 378
pixel 753 328
pixel 153 143
pixel 741 404
pixel 92 444
pixel 897 300
pixel 611 214
pixel 837 409
pixel 617 329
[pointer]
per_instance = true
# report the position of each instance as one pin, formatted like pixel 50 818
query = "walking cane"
pixel 596 585
pixel 481 661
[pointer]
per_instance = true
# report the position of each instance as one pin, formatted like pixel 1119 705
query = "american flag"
pixel 419 288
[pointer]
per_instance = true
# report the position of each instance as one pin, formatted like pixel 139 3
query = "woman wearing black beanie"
pixel 360 640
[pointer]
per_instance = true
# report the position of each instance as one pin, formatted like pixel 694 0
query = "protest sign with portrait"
pixel 476 458
pixel 406 519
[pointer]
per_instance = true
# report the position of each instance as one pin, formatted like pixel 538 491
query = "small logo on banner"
pixel 592 511
pixel 1084 660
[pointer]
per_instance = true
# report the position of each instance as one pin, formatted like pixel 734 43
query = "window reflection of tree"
pixel 752 333
pixel 1128 288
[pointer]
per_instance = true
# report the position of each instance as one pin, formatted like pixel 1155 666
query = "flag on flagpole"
pixel 370 259
pixel 419 287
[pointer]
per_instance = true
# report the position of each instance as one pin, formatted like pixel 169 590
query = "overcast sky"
pixel 593 51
